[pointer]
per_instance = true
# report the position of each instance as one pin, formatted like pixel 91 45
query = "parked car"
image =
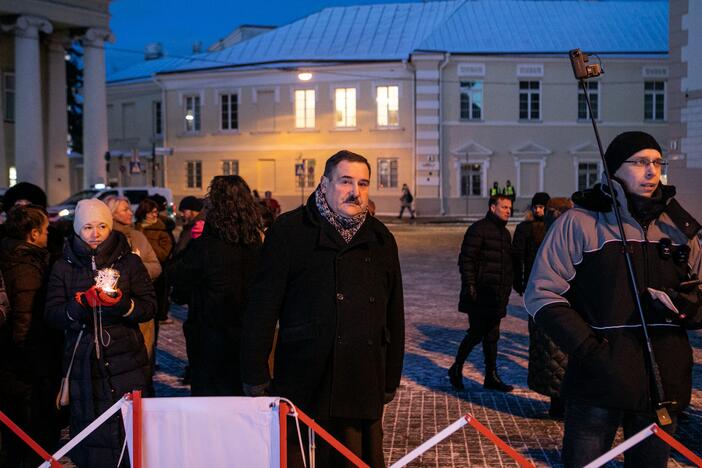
pixel 64 211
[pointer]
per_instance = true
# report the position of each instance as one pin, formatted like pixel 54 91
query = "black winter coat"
pixel 547 362
pixel 96 384
pixel 527 238
pixel 341 313
pixel 219 276
pixel 485 263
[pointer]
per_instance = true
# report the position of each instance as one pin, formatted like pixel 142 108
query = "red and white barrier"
pixel 653 429
pixel 460 423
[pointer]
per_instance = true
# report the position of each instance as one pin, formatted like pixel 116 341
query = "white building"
pixel 445 96
pixel 33 135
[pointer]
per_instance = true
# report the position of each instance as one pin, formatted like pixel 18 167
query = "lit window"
pixel 304 108
pixel 387 173
pixel 192 113
pixel 471 100
pixel 388 101
pixel 345 107
pixel 12 175
pixel 654 100
pixel 194 174
pixel 229 107
pixel 529 100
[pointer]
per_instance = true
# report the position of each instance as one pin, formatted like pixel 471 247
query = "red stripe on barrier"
pixel 29 441
pixel 352 457
pixel 686 452
pixel 284 410
pixel 137 418
pixel 518 457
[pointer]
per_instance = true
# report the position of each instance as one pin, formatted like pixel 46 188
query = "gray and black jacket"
pixel 579 289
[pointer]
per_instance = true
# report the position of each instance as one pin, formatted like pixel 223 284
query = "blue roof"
pixel 392 32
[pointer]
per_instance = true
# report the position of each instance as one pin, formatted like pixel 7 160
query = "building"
pixel 33 136
pixel 685 104
pixel 446 96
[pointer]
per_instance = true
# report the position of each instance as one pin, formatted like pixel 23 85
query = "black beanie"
pixel 625 144
pixel 190 203
pixel 540 198
pixel 24 191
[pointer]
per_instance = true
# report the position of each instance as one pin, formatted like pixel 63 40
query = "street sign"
pixel 299 169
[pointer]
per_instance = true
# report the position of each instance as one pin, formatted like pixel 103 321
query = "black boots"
pixel 455 374
pixel 493 382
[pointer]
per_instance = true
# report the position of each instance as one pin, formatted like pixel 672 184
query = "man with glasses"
pixel 580 294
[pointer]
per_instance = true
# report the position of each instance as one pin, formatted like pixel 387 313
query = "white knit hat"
pixel 91 210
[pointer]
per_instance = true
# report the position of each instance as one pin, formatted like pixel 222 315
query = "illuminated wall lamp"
pixel 304 76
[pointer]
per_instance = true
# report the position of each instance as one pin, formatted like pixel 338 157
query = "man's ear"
pixel 324 182
pixel 33 235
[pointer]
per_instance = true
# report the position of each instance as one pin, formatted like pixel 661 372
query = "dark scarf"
pixel 346 227
pixel 646 209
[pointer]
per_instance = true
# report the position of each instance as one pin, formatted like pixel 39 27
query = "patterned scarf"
pixel 346 227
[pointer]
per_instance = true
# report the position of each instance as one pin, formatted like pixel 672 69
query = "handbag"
pixel 63 396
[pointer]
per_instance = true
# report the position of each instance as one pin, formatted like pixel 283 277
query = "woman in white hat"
pixel 104 354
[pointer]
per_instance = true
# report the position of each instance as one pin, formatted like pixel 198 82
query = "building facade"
pixel 429 95
pixel 33 135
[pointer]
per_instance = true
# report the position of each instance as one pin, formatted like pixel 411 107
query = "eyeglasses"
pixel 644 162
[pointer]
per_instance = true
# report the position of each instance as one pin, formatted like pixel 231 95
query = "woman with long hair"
pixel 104 352
pixel 219 267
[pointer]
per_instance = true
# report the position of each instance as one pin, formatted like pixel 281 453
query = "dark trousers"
pixel 364 437
pixel 485 329
pixel 590 431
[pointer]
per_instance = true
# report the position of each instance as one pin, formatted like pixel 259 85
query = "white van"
pixel 66 208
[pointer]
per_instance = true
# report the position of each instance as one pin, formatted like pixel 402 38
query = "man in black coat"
pixel 485 264
pixel 527 239
pixel 330 275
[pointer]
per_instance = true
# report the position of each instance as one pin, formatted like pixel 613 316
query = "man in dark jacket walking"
pixel 579 292
pixel 330 275
pixel 485 264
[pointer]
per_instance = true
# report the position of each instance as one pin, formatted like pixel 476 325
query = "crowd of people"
pixel 308 305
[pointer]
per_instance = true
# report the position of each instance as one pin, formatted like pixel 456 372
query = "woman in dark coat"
pixel 218 267
pixel 30 351
pixel 106 368
pixel 161 240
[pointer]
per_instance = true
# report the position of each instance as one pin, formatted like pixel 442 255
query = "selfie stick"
pixel 578 60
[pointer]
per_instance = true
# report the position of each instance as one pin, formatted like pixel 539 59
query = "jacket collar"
pixel 492 217
pixel 112 249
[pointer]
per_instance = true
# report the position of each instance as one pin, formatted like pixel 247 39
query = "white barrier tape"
pixel 430 443
pixel 621 448
pixel 128 421
pixel 85 432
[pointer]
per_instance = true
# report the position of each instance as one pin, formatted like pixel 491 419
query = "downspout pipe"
pixel 442 164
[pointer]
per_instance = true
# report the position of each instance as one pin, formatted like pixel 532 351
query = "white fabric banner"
pixel 210 432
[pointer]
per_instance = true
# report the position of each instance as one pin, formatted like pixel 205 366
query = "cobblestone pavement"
pixel 425 403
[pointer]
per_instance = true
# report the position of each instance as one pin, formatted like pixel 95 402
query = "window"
pixel 471 180
pixel 192 113
pixel 654 100
pixel 593 90
pixel 529 100
pixel 345 103
pixel 387 173
pixel 471 100
pixel 12 175
pixel 194 174
pixel 388 101
pixel 156 112
pixel 229 108
pixel 307 179
pixel 230 167
pixel 8 86
pixel 588 174
pixel 304 108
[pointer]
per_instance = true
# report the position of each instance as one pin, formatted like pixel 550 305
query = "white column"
pixel 94 107
pixel 57 177
pixel 29 137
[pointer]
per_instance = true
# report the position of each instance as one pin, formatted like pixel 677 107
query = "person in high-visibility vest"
pixel 495 189
pixel 509 192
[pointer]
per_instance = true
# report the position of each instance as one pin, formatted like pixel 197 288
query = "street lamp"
pixel 304 76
